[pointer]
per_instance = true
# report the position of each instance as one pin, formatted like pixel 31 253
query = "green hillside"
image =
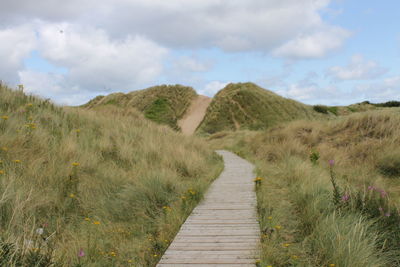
pixel 164 104
pixel 114 188
pixel 248 106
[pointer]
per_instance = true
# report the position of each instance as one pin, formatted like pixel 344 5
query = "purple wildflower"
pixel 371 187
pixel 387 214
pixel 331 162
pixel 345 197
pixel 81 253
pixel 383 193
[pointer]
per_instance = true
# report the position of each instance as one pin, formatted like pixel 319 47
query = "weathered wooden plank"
pixel 223 229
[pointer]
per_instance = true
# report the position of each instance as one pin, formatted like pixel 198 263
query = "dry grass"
pixel 109 184
pixel 315 228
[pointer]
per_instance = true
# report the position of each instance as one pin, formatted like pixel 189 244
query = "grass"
pixel 247 106
pixel 164 104
pixel 305 221
pixel 84 188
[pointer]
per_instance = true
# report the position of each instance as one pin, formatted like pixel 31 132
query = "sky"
pixel 332 52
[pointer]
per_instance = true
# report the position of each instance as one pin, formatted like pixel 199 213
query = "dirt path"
pixel 222 230
pixel 194 115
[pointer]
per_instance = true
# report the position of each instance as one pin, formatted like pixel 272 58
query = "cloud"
pixel 95 61
pixel 211 88
pixel 56 87
pixel 358 69
pixel 385 90
pixel 191 64
pixel 313 45
pixel 313 93
pixel 292 28
pixel 15 44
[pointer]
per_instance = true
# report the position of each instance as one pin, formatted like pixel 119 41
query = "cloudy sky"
pixel 314 51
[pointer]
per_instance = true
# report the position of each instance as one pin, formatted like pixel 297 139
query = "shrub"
pixel 314 157
pixel 321 109
pixel 389 164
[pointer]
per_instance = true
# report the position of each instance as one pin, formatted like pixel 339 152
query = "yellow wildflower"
pixel 112 253
pixel 166 208
pixel 71 195
pixel 4 117
pixel 87 219
pixel 29 105
pixel 286 245
pixel 295 257
pixel 155 255
pixel 75 164
pixel 78 130
pixel 332 265
pixel 96 222
pixel 17 161
pixel 278 227
pixel 130 261
pixel 1 172
pixel 269 218
pixel 4 148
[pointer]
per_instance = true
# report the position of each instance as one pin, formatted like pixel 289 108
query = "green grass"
pixel 164 104
pixel 247 106
pixel 110 184
pixel 304 222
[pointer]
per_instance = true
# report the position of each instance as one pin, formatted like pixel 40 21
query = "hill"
pixel 79 189
pixel 248 106
pixel 164 104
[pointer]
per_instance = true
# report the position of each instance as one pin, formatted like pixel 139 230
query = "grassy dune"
pixel 164 104
pixel 79 188
pixel 319 213
pixel 247 106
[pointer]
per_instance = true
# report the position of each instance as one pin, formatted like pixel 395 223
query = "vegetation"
pixel 164 104
pixel 79 188
pixel 325 109
pixel 247 106
pixel 327 197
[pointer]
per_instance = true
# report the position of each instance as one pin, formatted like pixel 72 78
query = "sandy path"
pixel 194 115
pixel 223 229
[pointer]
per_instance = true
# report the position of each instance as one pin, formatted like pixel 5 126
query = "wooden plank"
pixel 223 229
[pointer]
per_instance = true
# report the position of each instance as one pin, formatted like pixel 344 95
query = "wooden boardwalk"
pixel 223 229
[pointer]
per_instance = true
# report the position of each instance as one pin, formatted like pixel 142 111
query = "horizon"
pixel 313 51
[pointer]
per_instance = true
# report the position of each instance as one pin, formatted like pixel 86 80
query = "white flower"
pixel 39 231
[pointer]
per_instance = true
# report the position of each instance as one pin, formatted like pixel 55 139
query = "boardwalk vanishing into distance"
pixel 223 229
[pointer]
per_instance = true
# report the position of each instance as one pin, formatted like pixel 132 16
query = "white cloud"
pixel 313 45
pixel 211 88
pixel 358 69
pixel 15 45
pixel 95 61
pixel 234 25
pixel 56 87
pixel 191 64
pixel 385 90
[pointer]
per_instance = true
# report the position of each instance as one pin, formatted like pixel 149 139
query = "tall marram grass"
pixel 303 221
pixel 83 188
